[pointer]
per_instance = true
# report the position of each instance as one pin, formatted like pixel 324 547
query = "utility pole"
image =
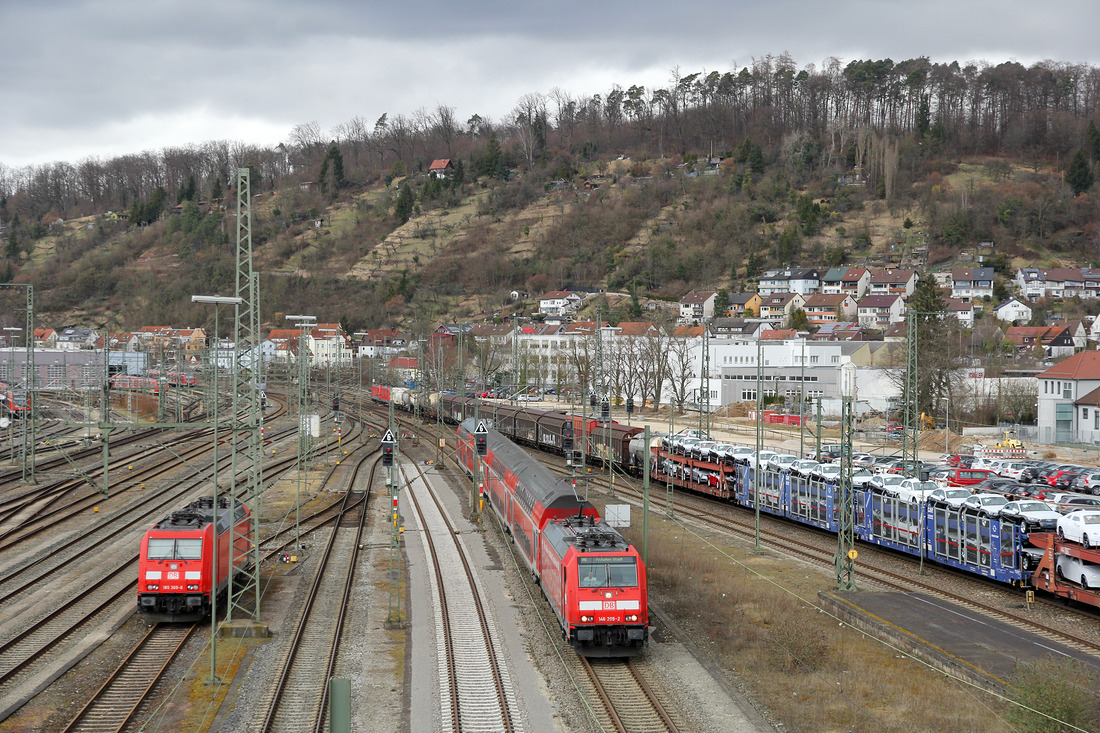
pixel 846 520
pixel 759 438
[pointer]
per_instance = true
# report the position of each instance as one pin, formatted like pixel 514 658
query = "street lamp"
pixel 304 323
pixel 217 301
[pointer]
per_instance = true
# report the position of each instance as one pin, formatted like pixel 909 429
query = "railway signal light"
pixel 336 403
pixel 629 405
pixel 605 410
pixel 481 439
pixel 387 455
pixel 567 438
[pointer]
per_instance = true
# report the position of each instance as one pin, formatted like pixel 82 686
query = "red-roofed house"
pixel 45 338
pixel 821 309
pixel 879 311
pixel 404 367
pixel 440 168
pixel 1055 340
pixel 889 281
pixel 1069 400
pixel 559 302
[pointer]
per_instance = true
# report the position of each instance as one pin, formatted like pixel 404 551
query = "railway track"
pixel 873 562
pixel 115 703
pixel 629 702
pixel 474 685
pixel 296 702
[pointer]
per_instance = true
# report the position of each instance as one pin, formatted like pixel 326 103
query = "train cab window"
pixel 624 575
pixel 167 548
pixel 593 576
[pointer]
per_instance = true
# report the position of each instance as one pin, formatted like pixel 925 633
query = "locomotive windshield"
pixel 169 548
pixel 608 572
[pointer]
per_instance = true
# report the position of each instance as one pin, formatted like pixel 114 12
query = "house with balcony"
pixel 744 305
pixel 830 281
pixel 856 282
pixel 821 308
pixel 970 283
pixel 777 308
pixel 879 311
pixel 559 302
pixel 791 280
pixel 963 311
pixel 890 281
pixel 697 305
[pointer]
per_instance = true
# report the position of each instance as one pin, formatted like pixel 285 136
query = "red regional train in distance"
pixel 175 567
pixel 593 578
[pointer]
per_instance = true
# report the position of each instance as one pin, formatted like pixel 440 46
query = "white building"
pixel 1013 311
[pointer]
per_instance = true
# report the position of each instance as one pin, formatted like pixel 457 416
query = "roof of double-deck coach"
pixel 535 481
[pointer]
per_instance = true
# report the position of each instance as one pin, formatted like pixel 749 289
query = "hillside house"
pixel 821 308
pixel 1013 311
pixel 441 168
pixel 969 283
pixel 889 281
pixel 560 302
pixel 879 311
pixel 744 305
pixel 697 305
pixel 777 308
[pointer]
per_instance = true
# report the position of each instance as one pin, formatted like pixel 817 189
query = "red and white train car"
pixel 593 578
pixel 175 567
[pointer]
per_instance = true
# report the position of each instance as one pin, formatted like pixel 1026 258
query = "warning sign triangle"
pixel 481 429
pixel 388 437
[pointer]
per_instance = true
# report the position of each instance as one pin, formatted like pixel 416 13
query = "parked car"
pixel 965 476
pixel 1088 482
pixel 996 484
pixel 1073 503
pixel 765 456
pixel 862 478
pixel 914 490
pixel 781 462
pixel 827 472
pixel 1078 571
pixel 1063 479
pixel 1013 469
pixel 1037 516
pixel 956 460
pixel 985 503
pixel 701 450
pixel 863 460
pixel 736 453
pixel 951 496
pixel 804 467
pixel 886 482
pixel 1081 526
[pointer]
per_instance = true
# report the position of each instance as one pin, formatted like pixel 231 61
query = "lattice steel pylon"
pixel 910 429
pixel 30 385
pixel 247 418
pixel 846 521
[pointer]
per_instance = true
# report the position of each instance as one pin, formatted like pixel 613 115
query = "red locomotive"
pixel 593 578
pixel 176 563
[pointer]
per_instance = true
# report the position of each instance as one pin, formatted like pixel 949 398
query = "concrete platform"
pixel 948 636
pixel 243 629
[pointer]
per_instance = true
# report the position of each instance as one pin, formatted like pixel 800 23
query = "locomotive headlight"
pixel 153 587
pixel 192 587
pixel 607 594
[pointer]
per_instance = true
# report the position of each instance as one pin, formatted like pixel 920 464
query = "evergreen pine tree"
pixel 403 207
pixel 1092 142
pixel 1079 175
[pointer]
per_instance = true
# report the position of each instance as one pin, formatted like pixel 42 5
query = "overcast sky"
pixel 102 78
